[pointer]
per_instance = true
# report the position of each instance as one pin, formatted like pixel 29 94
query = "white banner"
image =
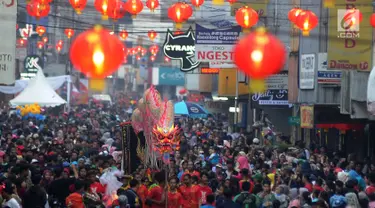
pixel 8 18
pixel 307 72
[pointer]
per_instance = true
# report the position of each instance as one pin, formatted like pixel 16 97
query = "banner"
pixel 331 77
pixel 8 18
pixel 215 44
pixel 307 72
pixel 258 5
pixel 307 117
pixel 349 44
pixel 271 97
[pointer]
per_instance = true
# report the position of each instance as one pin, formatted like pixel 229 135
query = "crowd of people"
pixel 69 160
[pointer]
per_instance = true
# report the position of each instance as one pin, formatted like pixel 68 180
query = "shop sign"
pixel 272 97
pixel 327 76
pixel 181 47
pixel 216 44
pixel 210 70
pixel 307 72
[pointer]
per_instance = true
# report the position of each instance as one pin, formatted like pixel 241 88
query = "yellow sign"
pixel 258 5
pixel 350 45
pixel 227 84
pixel 307 117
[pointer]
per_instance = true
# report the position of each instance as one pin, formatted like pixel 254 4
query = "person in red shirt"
pixel 142 191
pixel 156 193
pixel 308 185
pixel 191 171
pixel 187 193
pixel 318 185
pixel 245 178
pixel 203 189
pixel 371 188
pixel 174 197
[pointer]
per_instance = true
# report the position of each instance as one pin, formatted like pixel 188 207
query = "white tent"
pixel 38 91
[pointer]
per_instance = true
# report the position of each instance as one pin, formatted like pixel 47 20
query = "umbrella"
pixel 192 110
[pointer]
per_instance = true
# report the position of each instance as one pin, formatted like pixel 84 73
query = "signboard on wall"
pixel 307 117
pixel 307 72
pixel 215 45
pixel 181 47
pixel 8 18
pixel 272 97
pixel 327 76
pixel 277 82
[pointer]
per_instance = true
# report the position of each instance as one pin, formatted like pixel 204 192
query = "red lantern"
pixel 306 21
pixel 293 14
pixel 134 51
pixel 45 39
pixel 197 3
pixel 37 9
pixel 40 30
pixel 60 42
pixel 152 4
pixel 78 5
pixel 154 49
pixel 259 55
pixel 69 32
pixel 102 7
pixel 152 34
pixel 166 59
pixel 179 13
pixel 183 91
pixel 96 53
pixel 117 11
pixel 232 1
pixel 372 20
pixel 21 42
pixel 58 47
pixel 246 17
pixel 138 57
pixel 123 34
pixel 134 7
pixel 40 44
pixel 152 58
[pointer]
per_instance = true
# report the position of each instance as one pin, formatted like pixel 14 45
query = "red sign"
pixel 210 71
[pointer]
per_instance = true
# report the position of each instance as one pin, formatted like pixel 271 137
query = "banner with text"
pixel 272 97
pixel 349 43
pixel 215 45
pixel 327 77
pixel 8 18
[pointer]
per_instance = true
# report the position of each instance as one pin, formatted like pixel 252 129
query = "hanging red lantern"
pixel 166 59
pixel 40 30
pixel 293 14
pixel 306 21
pixel 259 55
pixel 123 34
pixel 60 42
pixel 69 32
pixel 138 48
pixel 152 58
pixel 152 4
pixel 45 39
pixel 232 1
pixel 78 5
pixel 117 11
pixel 134 7
pixel 246 17
pixel 154 49
pixel 134 51
pixel 102 7
pixel 179 13
pixel 37 9
pixel 197 3
pixel 143 52
pixel 372 20
pixel 138 57
pixel 21 42
pixel 58 48
pixel 183 91
pixel 96 53
pixel 152 34
pixel 40 44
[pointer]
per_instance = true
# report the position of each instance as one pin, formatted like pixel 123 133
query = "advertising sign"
pixel 210 70
pixel 327 76
pixel 307 117
pixel 215 44
pixel 272 97
pixel 307 72
pixel 277 82
pixel 348 41
pixel 8 18
pixel 171 76
pixel 181 47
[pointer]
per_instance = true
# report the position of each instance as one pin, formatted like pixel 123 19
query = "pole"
pixel 236 103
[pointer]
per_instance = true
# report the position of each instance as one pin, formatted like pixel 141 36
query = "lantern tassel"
pixel 329 3
pixel 78 11
pixel 104 17
pixel 217 2
pixel 257 86
pixel 97 85
pixel 246 30
pixel 305 33
pixel 134 16
pixel 178 25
